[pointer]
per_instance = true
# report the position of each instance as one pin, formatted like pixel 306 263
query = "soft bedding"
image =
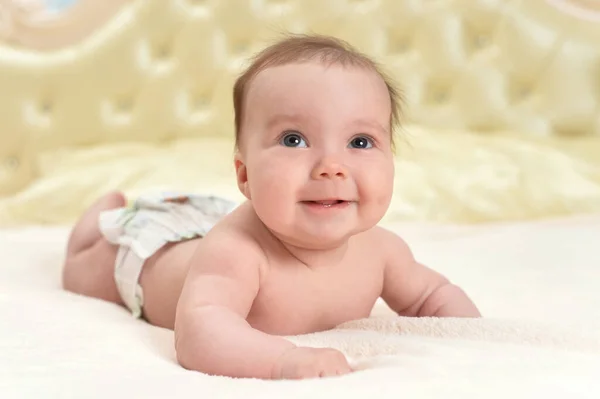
pixel 536 284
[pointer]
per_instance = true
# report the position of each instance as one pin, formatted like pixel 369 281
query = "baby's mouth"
pixel 326 203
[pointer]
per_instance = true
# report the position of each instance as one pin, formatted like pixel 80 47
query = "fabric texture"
pixel 536 284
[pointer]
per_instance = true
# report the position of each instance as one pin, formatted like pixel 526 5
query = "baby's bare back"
pixel 292 298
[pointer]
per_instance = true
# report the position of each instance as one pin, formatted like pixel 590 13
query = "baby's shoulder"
pixel 381 235
pixel 387 241
pixel 234 236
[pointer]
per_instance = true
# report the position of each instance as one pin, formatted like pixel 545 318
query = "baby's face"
pixel 316 152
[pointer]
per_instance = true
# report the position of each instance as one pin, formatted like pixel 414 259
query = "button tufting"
pixel 162 52
pixel 241 47
pixel 399 45
pixel 459 62
pixel 157 59
pixel 38 112
pixel 45 107
pixel 197 6
pixel 123 105
pixel 520 91
pixel 199 102
pixel 118 112
pixel 523 92
pixel 441 96
pixel 437 93
pixel 193 106
pixel 481 41
pixel 11 162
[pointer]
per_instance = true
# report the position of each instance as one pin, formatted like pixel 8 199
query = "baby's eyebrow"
pixel 371 124
pixel 279 119
pixel 297 119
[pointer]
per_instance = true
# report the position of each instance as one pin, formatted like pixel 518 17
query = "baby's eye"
pixel 293 139
pixel 361 142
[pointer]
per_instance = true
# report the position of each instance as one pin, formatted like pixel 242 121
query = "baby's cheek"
pixel 379 181
pixel 270 191
pixel 378 194
pixel 386 181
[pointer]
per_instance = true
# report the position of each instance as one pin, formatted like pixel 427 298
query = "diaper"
pixel 147 225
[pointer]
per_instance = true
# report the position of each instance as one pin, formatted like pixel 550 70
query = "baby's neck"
pixel 316 259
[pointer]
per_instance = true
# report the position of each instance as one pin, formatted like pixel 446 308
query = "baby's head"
pixel 314 124
pixel 325 50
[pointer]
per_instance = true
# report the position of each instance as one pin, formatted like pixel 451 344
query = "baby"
pixel 314 126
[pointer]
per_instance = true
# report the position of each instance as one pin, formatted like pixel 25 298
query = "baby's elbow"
pixel 189 355
pixel 437 299
pixel 194 349
pixel 448 300
pixel 188 344
pixel 183 351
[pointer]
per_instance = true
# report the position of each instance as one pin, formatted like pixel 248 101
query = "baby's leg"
pixel 90 259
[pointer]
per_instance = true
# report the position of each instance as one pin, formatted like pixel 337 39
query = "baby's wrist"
pixel 277 366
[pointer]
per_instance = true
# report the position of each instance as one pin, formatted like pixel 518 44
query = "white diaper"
pixel 147 225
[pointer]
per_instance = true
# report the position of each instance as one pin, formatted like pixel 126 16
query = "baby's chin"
pixel 317 239
pixel 310 234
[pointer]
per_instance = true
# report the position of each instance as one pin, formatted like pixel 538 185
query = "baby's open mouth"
pixel 326 203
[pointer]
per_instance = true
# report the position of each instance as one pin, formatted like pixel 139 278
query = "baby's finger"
pixel 328 373
pixel 334 371
pixel 345 368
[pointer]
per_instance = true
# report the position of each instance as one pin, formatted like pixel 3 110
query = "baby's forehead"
pixel 310 78
pixel 295 71
pixel 314 104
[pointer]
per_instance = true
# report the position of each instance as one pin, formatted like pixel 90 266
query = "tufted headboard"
pixel 162 70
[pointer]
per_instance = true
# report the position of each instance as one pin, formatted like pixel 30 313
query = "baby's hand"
pixel 301 362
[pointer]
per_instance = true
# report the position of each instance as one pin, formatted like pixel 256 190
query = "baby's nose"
pixel 329 168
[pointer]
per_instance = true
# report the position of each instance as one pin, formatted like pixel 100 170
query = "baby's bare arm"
pixel 412 289
pixel 211 331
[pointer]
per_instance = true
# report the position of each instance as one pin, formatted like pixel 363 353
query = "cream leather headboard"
pixel 155 70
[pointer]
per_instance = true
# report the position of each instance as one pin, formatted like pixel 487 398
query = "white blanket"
pixel 537 285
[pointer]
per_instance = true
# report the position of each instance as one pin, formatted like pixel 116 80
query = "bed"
pixel 497 186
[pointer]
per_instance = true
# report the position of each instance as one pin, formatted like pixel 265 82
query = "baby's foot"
pixel 86 231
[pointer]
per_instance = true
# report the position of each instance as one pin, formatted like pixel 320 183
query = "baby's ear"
pixel 242 175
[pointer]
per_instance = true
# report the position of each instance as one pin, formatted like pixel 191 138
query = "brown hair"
pixel 303 48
